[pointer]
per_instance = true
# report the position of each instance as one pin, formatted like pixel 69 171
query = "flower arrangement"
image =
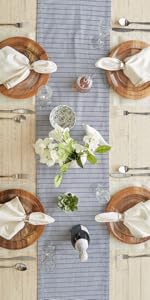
pixel 68 202
pixel 60 148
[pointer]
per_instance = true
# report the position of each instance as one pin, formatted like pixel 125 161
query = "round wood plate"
pixel 120 202
pixel 28 87
pixel 117 79
pixel 30 233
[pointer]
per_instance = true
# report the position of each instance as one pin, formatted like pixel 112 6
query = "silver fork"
pixel 15 176
pixel 19 24
pixel 125 113
pixel 126 256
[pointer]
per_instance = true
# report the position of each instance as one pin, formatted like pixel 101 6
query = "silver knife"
pixel 18 111
pixel 129 29
pixel 119 175
pixel 29 258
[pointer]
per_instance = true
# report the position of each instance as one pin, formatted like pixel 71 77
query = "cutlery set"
pixel 19 118
pixel 122 170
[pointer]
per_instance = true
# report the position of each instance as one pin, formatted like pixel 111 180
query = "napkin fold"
pixel 135 67
pixel 136 219
pixel 13 218
pixel 15 67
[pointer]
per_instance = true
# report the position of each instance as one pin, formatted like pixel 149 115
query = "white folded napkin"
pixel 13 218
pixel 15 67
pixel 136 219
pixel 135 67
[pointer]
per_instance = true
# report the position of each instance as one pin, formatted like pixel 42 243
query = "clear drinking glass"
pixel 99 39
pixel 48 257
pixel 44 96
pixel 102 193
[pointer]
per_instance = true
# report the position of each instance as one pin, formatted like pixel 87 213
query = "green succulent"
pixel 68 202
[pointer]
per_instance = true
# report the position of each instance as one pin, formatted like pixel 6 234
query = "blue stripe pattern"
pixel 71 32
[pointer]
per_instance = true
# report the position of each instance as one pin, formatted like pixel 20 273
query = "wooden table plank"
pixel 133 10
pixel 17 154
pixel 130 142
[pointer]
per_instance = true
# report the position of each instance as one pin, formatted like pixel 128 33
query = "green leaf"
pixel 91 158
pixel 66 135
pixel 79 162
pixel 102 149
pixel 64 168
pixel 58 180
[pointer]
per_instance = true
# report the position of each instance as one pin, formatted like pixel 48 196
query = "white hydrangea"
pixel 58 133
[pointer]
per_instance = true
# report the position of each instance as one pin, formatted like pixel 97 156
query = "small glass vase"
pixel 83 83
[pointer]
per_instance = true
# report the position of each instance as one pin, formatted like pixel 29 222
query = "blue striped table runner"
pixel 70 32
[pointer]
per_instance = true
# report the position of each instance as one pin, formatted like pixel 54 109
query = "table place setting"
pixel 28 72
pixel 22 220
pixel 128 74
pixel 128 216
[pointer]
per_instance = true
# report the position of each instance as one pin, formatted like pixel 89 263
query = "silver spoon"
pixel 125 22
pixel 18 267
pixel 17 119
pixel 18 111
pixel 125 169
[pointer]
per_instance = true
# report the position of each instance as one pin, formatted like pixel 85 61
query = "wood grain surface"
pixel 30 233
pixel 117 79
pixel 30 86
pixel 121 202
pixel 130 146
pixel 17 154
pixel 129 280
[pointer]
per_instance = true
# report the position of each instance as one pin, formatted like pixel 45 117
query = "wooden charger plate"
pixel 30 233
pixel 28 87
pixel 118 80
pixel 120 202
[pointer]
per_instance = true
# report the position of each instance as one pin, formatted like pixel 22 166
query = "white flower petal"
pixel 95 135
